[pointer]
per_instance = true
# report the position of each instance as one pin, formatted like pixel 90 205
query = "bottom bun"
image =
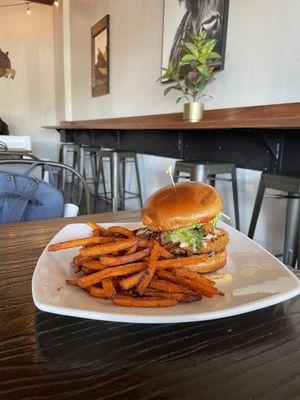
pixel 211 264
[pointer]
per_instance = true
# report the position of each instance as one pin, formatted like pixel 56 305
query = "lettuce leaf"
pixel 189 236
pixel 216 219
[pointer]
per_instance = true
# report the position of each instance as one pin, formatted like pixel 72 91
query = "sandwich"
pixel 184 219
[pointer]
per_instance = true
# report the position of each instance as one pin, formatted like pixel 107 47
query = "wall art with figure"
pixel 184 16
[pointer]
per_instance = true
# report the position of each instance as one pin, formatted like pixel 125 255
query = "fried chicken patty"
pixel 216 243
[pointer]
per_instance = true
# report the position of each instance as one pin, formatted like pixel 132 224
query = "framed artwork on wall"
pixel 100 57
pixel 184 16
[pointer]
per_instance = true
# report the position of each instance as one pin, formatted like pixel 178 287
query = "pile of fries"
pixel 133 272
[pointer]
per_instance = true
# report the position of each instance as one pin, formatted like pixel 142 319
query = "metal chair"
pixel 118 193
pixel 69 197
pixel 206 172
pixel 291 185
pixel 65 150
pixel 91 154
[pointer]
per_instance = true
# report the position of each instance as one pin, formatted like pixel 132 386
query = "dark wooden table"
pixel 43 356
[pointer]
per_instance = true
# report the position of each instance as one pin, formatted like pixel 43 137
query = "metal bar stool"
pixel 206 172
pixel 118 193
pixel 291 185
pixel 91 154
pixel 65 150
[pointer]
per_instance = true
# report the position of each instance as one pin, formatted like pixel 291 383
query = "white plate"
pixel 258 280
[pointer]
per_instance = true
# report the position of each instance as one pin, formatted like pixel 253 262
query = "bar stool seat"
pixel 284 183
pixel 206 172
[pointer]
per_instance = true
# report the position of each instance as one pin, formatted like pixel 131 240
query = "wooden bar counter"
pixel 259 137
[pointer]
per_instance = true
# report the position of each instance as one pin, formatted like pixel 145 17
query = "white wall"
pixel 258 66
pixel 27 102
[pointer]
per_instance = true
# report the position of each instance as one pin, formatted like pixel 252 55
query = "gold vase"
pixel 193 112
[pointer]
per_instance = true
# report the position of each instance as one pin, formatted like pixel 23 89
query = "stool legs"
pixel 122 166
pixel 100 174
pixel 235 198
pixel 199 174
pixel 138 181
pixel 257 205
pixel 212 180
pixel 298 247
pixel 115 181
pixel 64 171
pixel 291 232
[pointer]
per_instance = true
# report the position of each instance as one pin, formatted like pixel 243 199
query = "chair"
pixel 118 161
pixel 65 151
pixel 207 171
pixel 90 155
pixel 68 196
pixel 291 185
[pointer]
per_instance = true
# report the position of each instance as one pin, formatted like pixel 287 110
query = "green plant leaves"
pixel 195 67
pixel 169 88
pixel 188 57
pixel 192 48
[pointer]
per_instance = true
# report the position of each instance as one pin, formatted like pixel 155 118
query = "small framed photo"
pixel 100 57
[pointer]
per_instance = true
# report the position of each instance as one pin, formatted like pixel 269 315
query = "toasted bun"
pixel 174 207
pixel 211 264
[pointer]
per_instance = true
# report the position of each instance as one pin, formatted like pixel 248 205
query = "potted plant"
pixel 192 72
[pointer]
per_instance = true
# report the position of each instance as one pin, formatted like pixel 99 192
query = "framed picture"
pixel 184 16
pixel 100 57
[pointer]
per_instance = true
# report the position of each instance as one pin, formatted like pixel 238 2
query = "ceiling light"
pixel 28 11
pixel 56 3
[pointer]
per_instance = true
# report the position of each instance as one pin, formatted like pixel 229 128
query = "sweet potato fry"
pixel 108 248
pixel 93 225
pixel 131 281
pixel 78 242
pixel 96 232
pixel 164 253
pixel 180 262
pixel 126 259
pixel 150 271
pixel 193 275
pixel 74 282
pixel 181 297
pixel 132 249
pixel 111 272
pixel 119 230
pixel 196 286
pixel 95 291
pixel 86 270
pixel 79 260
pixel 144 302
pixel 168 287
pixel 109 288
pixel 95 265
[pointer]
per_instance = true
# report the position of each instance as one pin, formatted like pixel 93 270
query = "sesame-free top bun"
pixel 174 207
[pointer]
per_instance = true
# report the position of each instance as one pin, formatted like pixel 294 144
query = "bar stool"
pixel 207 171
pixel 65 150
pixel 118 161
pixel 91 155
pixel 291 185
